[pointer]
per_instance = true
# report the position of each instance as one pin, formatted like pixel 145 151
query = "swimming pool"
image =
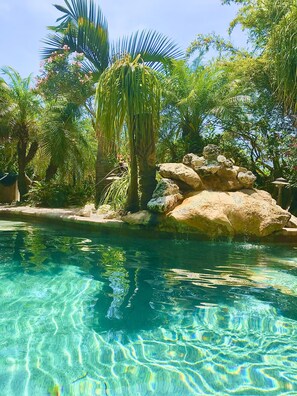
pixel 83 313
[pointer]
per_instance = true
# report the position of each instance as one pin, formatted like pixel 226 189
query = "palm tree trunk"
pixel 147 180
pixel 103 167
pixel 51 171
pixel 146 155
pixel 132 204
pixel 22 180
pixel 23 160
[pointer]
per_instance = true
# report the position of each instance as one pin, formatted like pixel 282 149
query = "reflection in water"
pixel 86 314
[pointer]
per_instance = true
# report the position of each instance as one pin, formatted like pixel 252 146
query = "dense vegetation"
pixel 142 101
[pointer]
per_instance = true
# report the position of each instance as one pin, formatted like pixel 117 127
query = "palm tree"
pixel 19 121
pixel 129 92
pixel 84 29
pixel 62 140
pixel 201 98
pixel 281 58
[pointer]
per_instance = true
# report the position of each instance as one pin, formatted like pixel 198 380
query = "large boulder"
pixel 181 172
pixel 217 213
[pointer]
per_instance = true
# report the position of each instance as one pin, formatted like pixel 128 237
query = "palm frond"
pixel 84 29
pixel 155 49
pixel 126 89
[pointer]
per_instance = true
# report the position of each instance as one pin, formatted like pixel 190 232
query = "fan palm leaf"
pixel 83 29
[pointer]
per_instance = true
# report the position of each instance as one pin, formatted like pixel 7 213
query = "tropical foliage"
pixel 141 100
pixel 19 121
pixel 84 29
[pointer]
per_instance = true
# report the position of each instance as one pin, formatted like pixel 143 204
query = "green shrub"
pixel 116 193
pixel 60 195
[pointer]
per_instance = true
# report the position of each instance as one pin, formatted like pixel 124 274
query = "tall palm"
pixel 19 121
pixel 84 29
pixel 129 92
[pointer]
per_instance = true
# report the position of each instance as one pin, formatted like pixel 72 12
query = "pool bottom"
pixel 49 346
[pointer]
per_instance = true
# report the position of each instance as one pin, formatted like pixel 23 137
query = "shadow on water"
pixel 144 281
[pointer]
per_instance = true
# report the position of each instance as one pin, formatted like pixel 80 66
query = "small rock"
pixel 221 159
pixel 247 179
pixel 210 169
pixel 194 161
pixel 211 152
pixel 197 163
pixel 143 217
pixel 228 163
pixel 106 212
pixel 165 187
pixel 87 210
pixel 164 204
pixel 187 160
pixel 103 209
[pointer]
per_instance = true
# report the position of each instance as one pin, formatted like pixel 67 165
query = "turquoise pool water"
pixel 90 314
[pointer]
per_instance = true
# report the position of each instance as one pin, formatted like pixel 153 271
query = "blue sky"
pixel 23 24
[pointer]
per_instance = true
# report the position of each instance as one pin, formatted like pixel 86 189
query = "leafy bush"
pixel 59 195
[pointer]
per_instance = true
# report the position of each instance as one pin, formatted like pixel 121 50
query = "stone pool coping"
pixel 59 215
pixel 70 217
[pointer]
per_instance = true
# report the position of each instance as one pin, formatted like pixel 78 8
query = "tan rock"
pixel 188 158
pixel 143 217
pixel 211 152
pixel 247 179
pixel 228 163
pixel 210 169
pixel 178 171
pixel 224 180
pixel 197 163
pixel 221 159
pixel 245 212
pixel 87 210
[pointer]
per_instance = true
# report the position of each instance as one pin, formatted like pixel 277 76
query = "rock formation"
pixel 210 195
pixel 216 213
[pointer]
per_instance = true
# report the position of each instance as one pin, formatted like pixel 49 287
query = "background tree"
pixel 66 135
pixel 84 29
pixel 129 92
pixel 198 98
pixel 19 121
pixel 262 128
pixel 271 26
